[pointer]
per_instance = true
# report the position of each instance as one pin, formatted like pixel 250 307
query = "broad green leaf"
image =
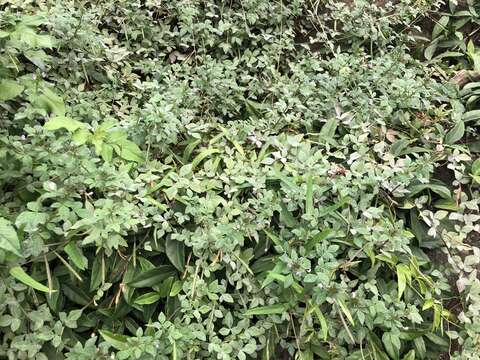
pixel 447 204
pixel 428 304
pixel 286 217
pixel 176 288
pixel 430 50
pixel 204 154
pixel 420 347
pixel 441 190
pixel 96 274
pixel 63 122
pixel 76 256
pixel 437 340
pixel 318 238
pixel 81 136
pixel 476 167
pixel 8 237
pixel 440 26
pixel 456 133
pixel 9 89
pixel 392 344
pixel 267 310
pixel 51 102
pixel 399 145
pixel 471 116
pixel 30 220
pixel 410 355
pixel 403 276
pixel 175 251
pixel 32 20
pixel 276 241
pixel 147 299
pixel 153 277
pixel 106 152
pixel 131 152
pixel 18 273
pixel 329 128
pixel 118 341
pixel 323 322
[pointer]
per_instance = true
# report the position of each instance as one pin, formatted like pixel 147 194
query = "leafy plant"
pixel 239 180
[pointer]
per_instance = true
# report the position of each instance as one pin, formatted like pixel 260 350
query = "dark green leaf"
pixel 175 251
pixel 152 277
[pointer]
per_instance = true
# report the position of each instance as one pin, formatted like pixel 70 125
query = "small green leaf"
pixel 118 341
pixel 9 90
pixel 175 251
pixel 309 195
pixel 147 299
pixel 455 134
pixel 8 237
pixel 18 273
pixel 267 310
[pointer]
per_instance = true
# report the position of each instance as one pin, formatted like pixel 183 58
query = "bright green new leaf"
pixel 131 152
pixel 63 122
pixel 148 298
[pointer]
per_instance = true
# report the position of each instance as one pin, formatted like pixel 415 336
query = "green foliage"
pixel 233 180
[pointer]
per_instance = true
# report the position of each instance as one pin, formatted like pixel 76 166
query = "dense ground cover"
pixel 239 179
